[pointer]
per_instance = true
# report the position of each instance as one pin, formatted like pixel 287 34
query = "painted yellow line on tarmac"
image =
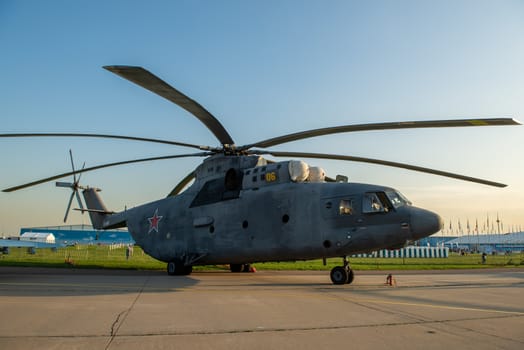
pixel 325 294
pixel 446 307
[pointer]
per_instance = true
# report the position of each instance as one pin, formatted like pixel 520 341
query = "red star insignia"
pixel 153 221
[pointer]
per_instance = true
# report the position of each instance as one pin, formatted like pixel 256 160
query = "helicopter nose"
pixel 424 223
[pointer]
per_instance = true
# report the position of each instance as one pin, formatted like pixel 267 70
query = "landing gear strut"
pixel 342 274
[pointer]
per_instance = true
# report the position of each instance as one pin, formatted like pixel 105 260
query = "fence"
pixel 408 252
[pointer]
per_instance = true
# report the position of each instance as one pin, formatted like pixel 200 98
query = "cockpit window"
pixel 376 202
pixel 397 199
pixel 345 207
pixel 371 203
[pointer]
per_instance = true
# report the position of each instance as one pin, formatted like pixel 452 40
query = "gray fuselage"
pixel 240 211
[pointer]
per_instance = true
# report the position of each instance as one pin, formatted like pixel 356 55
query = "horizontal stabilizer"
pixel 94 211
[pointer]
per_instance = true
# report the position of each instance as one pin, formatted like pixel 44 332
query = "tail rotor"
pixel 74 186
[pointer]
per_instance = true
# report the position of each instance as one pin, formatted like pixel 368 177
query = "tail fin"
pixel 96 208
pixel 101 218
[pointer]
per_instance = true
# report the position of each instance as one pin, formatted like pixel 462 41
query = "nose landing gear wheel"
pixel 342 274
pixel 339 275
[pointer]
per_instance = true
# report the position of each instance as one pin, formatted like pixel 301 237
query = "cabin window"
pixel 345 207
pixel 219 189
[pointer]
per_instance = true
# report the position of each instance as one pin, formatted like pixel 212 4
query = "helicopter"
pixel 242 208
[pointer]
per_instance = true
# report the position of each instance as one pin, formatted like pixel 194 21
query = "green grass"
pixel 104 257
pixel 81 256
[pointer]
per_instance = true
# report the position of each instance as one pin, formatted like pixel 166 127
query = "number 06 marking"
pixel 271 176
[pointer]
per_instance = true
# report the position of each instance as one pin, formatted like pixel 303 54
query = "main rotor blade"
pixel 381 126
pixel 203 148
pixel 151 82
pixel 381 162
pixel 51 178
pixel 180 186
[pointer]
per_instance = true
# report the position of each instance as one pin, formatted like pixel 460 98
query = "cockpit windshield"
pixel 397 199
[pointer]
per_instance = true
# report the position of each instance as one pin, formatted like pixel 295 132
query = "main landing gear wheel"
pixel 240 267
pixel 177 268
pixel 342 274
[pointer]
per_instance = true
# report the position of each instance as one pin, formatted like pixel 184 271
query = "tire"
pixel 339 275
pixel 172 268
pixel 187 270
pixel 236 267
pixel 177 268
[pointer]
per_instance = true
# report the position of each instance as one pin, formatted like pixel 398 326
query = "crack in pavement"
pixel 113 332
pixel 123 315
pixel 429 323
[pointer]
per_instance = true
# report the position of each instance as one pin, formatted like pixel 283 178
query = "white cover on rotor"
pixel 316 174
pixel 298 170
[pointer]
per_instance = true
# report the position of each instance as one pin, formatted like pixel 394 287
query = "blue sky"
pixel 263 68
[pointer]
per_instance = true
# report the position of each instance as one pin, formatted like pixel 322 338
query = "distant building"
pixel 489 243
pixel 81 234
pixel 434 241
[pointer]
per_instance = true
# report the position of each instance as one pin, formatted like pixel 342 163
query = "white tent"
pixel 42 237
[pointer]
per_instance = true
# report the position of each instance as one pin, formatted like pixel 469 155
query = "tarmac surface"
pixel 105 309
